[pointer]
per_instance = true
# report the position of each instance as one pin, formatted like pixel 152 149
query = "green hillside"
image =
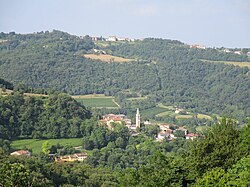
pixel 165 71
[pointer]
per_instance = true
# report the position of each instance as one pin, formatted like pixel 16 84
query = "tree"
pixel 221 148
pixel 46 147
pixel 14 175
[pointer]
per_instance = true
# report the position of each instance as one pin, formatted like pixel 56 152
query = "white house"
pixel 21 152
pixel 112 39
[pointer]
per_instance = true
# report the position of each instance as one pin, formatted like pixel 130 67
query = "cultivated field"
pixel 170 111
pixel 152 111
pixel 36 145
pixel 136 98
pixel 107 58
pixel 96 101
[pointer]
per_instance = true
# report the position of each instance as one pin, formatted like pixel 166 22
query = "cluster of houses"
pixel 167 133
pixel 111 39
pixel 198 46
pixel 110 119
pixel 72 158
pixel 166 130
pixel 235 52
pixel 67 158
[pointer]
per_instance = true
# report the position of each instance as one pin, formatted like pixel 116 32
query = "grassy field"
pixel 170 111
pixel 152 111
pixel 107 58
pixel 183 116
pixel 36 145
pixel 136 98
pixel 98 102
pixel 241 64
pixel 5 92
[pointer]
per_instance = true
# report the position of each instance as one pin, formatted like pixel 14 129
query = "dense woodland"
pixel 164 70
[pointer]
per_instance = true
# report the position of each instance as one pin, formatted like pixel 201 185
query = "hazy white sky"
pixel 208 22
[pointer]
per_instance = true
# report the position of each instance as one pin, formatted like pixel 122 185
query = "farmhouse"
pixel 197 46
pixel 72 158
pixel 110 119
pixel 191 136
pixel 21 152
pixel 96 38
pixel 238 52
pixel 180 111
pixel 112 39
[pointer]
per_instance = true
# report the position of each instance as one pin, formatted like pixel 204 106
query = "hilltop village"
pixel 192 46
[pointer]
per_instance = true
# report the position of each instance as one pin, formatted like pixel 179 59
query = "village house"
pixel 248 53
pixel 238 52
pixel 112 39
pixel 96 38
pixel 226 50
pixel 191 136
pixel 72 158
pixel 180 111
pixel 110 119
pixel 183 129
pixel 162 135
pixel 165 126
pixel 147 123
pixel 99 51
pixel 21 152
pixel 197 46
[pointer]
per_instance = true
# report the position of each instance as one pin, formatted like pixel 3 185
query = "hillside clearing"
pixel 241 64
pixel 36 145
pixel 90 96
pixel 136 98
pixel 101 102
pixel 107 58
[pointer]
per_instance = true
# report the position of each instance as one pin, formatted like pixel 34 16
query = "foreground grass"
pixel 36 145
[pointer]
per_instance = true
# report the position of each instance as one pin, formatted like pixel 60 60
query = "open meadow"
pixel 96 101
pixel 163 110
pixel 36 145
pixel 241 64
pixel 107 58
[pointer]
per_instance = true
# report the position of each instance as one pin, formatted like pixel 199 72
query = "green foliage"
pixel 35 144
pixel 4 147
pixel 58 116
pixel 221 148
pixel 46 147
pixel 5 84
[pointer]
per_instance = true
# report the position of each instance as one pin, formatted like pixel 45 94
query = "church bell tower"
pixel 138 121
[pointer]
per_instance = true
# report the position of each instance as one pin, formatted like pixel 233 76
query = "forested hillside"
pixel 164 70
pixel 58 116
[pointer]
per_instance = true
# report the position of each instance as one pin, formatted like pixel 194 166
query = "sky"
pixel 213 23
